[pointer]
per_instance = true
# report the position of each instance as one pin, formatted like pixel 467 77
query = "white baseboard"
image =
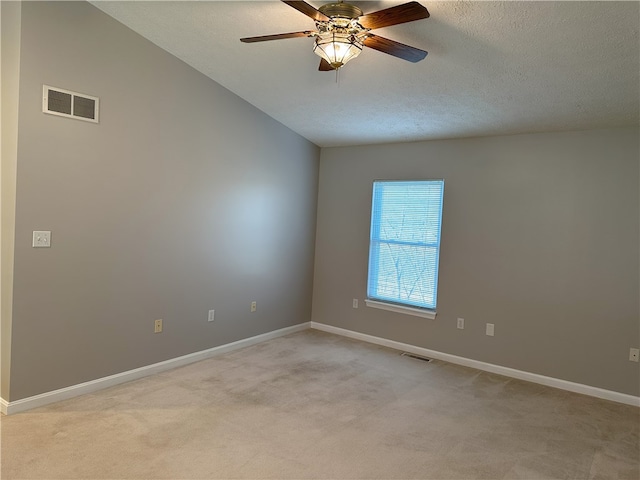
pixel 487 367
pixel 28 403
pixel 4 405
pixel 24 404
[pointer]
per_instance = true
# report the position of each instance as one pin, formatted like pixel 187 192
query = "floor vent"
pixel 65 103
pixel 417 357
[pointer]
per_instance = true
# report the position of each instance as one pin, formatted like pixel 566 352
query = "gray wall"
pixel 184 198
pixel 540 237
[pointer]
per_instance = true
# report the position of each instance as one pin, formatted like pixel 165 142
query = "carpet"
pixel 315 405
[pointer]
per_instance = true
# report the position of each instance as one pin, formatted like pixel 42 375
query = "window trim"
pixel 405 309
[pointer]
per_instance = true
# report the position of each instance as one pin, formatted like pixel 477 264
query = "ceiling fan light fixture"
pixel 337 48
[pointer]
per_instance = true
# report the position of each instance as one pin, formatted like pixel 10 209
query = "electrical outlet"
pixel 634 354
pixel 157 326
pixel 41 238
pixel 254 306
pixel 355 303
pixel 211 315
pixel 490 328
pixel 461 323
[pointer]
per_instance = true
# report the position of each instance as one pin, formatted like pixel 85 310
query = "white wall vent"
pixel 65 103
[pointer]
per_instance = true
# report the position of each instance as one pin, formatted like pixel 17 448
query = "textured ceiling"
pixel 493 67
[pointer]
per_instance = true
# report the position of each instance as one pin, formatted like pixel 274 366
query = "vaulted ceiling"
pixel 492 68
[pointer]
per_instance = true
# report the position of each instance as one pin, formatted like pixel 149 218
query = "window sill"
pixel 416 312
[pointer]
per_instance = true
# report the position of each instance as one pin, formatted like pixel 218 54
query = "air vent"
pixel 417 357
pixel 65 103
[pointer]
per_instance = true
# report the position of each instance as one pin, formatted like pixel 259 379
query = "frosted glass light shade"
pixel 337 48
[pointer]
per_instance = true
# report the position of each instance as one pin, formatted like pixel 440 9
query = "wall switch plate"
pixel 461 323
pixel 157 326
pixel 355 303
pixel 211 315
pixel 490 328
pixel 41 238
pixel 634 354
pixel 254 306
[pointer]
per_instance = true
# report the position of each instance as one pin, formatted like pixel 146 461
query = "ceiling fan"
pixel 343 30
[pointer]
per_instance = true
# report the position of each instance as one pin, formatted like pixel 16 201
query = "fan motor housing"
pixel 341 10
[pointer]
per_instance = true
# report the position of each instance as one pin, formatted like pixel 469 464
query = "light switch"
pixel 41 238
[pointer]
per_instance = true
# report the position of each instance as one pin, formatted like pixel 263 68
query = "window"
pixel 405 246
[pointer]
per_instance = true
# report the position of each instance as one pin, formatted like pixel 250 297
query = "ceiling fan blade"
pixel 394 48
pixel 407 12
pixel 308 10
pixel 278 36
pixel 325 66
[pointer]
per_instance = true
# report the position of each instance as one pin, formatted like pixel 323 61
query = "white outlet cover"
pixel 355 303
pixel 634 354
pixel 490 328
pixel 212 315
pixel 461 323
pixel 41 238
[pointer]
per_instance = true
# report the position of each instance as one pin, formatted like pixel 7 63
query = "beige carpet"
pixel 314 405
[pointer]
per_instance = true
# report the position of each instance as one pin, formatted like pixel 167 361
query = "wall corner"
pixel 10 29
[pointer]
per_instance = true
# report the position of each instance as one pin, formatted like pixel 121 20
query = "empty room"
pixel 296 240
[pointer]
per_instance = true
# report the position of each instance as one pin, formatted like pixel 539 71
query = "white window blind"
pixel 404 248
